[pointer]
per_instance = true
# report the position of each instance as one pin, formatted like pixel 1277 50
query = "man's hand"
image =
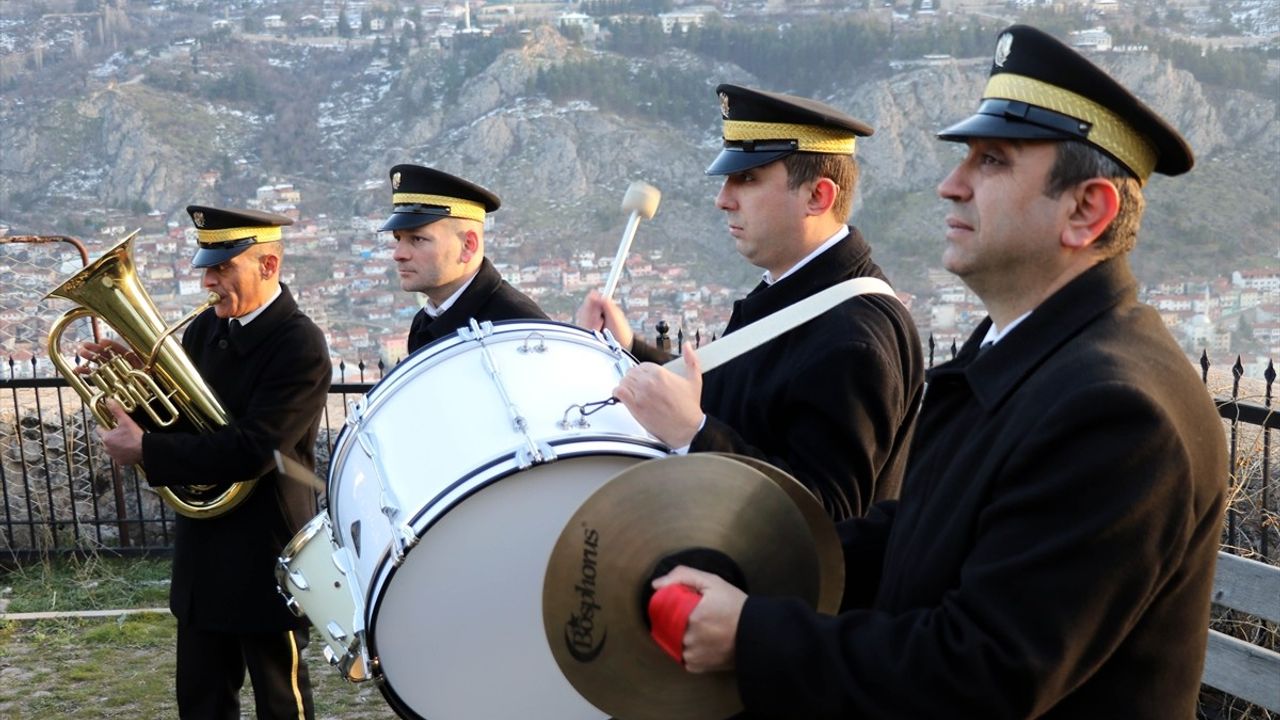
pixel 713 624
pixel 123 442
pixel 597 313
pixel 664 403
pixel 98 353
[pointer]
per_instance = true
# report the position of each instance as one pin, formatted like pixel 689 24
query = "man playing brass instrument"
pixel 270 366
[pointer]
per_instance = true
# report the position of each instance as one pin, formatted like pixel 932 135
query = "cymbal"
pixel 830 554
pixel 592 601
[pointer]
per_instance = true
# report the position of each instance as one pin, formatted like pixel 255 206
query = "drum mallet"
pixel 642 200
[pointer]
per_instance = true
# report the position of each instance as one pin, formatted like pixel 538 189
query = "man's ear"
pixel 270 265
pixel 1096 204
pixel 470 245
pixel 823 196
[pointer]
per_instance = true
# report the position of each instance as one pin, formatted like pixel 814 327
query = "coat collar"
pixel 483 285
pixel 250 336
pixel 1006 365
pixel 851 257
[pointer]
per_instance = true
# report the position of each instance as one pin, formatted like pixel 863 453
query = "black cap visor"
pixel 207 257
pixel 735 159
pixel 1015 120
pixel 412 216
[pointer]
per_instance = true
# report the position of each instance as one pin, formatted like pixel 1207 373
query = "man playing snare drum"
pixel 438 224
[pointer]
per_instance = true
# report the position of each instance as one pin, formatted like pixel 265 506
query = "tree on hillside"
pixel 572 33
pixel 344 25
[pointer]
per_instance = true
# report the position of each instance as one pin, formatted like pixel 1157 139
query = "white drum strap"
pixel 771 326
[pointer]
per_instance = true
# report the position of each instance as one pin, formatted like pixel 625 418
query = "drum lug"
pixel 283 575
pixel 476 330
pixel 299 579
pixel 534 454
pixel 622 362
pixel 607 336
pixel 405 539
pixel 291 603
pixel 355 413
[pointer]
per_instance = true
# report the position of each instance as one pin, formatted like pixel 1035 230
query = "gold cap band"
pixel 458 207
pixel 262 234
pixel 810 138
pixel 1108 130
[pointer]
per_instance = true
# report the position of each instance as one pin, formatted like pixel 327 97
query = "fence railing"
pixel 61 493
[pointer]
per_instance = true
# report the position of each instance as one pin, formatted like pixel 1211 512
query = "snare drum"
pixel 448 488
pixel 313 578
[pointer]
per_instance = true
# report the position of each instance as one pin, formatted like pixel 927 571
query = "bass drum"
pixel 448 488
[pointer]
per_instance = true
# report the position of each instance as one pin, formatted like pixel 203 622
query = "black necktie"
pixel 229 330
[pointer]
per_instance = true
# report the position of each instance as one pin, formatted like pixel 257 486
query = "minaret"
pixel 467 15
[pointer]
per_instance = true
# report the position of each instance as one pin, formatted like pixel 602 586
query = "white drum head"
pixel 457 628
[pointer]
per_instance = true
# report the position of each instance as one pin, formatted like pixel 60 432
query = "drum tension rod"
pixel 533 452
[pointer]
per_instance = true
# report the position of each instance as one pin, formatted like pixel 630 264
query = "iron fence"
pixel 60 491
pixel 62 494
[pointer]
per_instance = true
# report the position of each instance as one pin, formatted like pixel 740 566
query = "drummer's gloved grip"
pixel 669 610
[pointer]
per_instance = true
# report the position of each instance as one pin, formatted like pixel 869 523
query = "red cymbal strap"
pixel 669 610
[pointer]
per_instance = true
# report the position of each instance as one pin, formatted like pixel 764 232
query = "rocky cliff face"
pixel 562 169
pixel 114 147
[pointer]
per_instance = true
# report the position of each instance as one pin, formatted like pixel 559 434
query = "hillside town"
pixel 342 273
pixel 341 269
pixel 68 26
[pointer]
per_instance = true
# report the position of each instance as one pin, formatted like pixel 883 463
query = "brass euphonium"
pixel 160 381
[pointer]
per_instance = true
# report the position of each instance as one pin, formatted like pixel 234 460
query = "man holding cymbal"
pixel 1052 554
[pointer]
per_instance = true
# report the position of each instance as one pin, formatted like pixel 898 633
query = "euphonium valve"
pixel 156 377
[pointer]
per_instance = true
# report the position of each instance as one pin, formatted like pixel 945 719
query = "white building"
pixel 1094 39
pixel 692 16
pixel 1262 279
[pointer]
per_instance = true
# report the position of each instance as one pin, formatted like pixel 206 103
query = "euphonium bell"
pixel 160 381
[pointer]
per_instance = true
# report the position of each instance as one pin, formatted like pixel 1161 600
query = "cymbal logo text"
pixel 580 630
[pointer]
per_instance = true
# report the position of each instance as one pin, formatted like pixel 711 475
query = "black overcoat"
pixel 1052 553
pixel 488 297
pixel 273 379
pixel 832 402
